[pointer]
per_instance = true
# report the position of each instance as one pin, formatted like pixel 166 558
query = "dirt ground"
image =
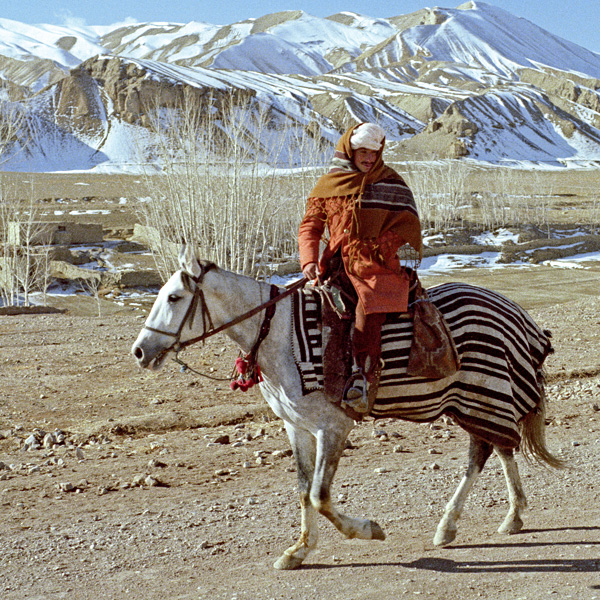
pixel 116 483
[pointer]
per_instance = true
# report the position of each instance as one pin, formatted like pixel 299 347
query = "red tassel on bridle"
pixel 249 373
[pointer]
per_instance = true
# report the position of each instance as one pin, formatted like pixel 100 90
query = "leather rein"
pixel 209 330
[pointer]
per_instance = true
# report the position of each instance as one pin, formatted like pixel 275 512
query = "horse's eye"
pixel 174 298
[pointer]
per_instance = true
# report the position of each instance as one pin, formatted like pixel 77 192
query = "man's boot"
pixel 356 392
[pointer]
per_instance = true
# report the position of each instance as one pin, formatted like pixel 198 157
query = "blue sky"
pixel 576 21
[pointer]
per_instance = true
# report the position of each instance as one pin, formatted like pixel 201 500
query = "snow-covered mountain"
pixel 473 81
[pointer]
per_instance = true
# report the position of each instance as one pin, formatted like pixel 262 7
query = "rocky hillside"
pixel 473 81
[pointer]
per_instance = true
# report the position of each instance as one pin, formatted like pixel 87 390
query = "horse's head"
pixel 171 319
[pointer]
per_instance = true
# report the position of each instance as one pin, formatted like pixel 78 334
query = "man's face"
pixel 364 159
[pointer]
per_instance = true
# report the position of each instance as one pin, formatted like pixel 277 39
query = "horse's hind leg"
pixel 516 497
pixel 330 446
pixel 304 448
pixel 479 452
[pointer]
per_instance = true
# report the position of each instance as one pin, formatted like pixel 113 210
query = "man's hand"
pixel 310 271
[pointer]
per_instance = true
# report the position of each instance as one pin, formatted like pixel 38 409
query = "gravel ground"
pixel 116 483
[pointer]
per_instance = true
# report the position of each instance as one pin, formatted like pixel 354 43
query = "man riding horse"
pixel 370 213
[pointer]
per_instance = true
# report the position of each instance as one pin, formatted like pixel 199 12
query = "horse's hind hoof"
pixel 511 525
pixel 287 562
pixel 444 536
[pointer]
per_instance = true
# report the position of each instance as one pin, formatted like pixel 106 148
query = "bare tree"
pixel 24 247
pixel 223 187
pixel 440 192
pixel 510 200
pixel 93 285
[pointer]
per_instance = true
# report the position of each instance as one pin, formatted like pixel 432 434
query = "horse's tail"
pixel 533 431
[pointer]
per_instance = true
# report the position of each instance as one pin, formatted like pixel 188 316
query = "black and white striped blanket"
pixel 306 338
pixel 501 350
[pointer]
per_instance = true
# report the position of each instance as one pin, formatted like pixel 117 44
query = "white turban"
pixel 367 135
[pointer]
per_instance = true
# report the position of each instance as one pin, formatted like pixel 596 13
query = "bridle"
pixel 198 301
pixel 190 314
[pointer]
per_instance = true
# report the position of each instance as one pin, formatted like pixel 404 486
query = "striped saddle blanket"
pixel 501 350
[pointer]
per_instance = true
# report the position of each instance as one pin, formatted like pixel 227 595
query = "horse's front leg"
pixel 330 445
pixel 304 448
pixel 513 523
pixel 479 452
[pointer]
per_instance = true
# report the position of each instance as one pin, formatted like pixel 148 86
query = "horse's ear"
pixel 188 261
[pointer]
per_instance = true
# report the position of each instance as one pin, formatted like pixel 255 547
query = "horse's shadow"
pixel 448 565
pixel 558 565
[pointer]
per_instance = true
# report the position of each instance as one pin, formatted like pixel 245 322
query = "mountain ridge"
pixel 472 81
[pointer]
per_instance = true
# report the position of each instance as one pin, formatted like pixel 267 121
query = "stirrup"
pixel 356 392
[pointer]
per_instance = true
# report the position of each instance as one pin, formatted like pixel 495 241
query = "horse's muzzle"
pixel 147 359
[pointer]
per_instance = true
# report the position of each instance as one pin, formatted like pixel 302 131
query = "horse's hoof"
pixel 287 562
pixel 376 532
pixel 444 536
pixel 511 525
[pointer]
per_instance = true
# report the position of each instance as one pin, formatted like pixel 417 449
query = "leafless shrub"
pixel 24 264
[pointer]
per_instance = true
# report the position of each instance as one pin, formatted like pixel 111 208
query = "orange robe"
pixel 368 239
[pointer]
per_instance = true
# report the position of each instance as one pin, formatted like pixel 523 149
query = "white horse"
pixel 202 296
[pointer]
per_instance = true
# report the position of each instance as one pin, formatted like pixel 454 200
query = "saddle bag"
pixel 433 354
